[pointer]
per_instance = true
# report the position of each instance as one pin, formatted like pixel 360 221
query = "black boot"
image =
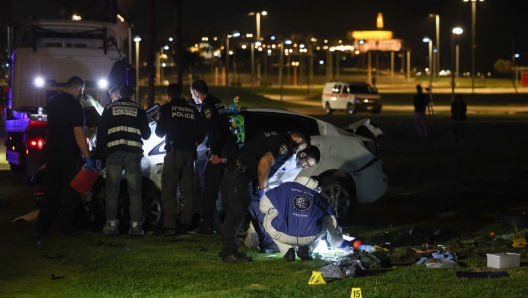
pixel 290 255
pixel 303 252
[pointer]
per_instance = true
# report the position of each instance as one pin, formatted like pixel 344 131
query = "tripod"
pixel 430 106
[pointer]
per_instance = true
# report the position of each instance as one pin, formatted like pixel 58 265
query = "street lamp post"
pixel 281 62
pixel 473 46
pixel 430 42
pixel 456 31
pixel 237 34
pixel 437 44
pixel 257 16
pixel 137 39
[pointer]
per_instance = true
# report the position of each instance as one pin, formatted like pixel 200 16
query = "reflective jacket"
pixel 123 126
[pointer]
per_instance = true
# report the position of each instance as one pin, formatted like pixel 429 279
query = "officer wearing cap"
pixel 221 145
pixel 247 171
pixel 180 124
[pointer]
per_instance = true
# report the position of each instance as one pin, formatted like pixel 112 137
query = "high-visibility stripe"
pixel 124 142
pixel 124 128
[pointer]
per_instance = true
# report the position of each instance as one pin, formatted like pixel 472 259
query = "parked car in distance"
pixel 350 97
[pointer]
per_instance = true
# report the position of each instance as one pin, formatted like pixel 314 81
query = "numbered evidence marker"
pixel 316 279
pixel 356 293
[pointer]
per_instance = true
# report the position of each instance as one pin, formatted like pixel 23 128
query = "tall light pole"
pixel 473 46
pixel 237 34
pixel 281 62
pixel 137 39
pixel 430 42
pixel 456 31
pixel 257 15
pixel 437 44
pixel 257 38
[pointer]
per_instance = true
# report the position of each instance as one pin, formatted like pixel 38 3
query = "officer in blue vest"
pixel 297 215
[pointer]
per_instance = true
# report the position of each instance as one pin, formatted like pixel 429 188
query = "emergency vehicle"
pixel 47 53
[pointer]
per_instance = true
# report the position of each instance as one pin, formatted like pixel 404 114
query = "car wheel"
pixel 341 194
pixel 328 110
pixel 152 208
pixel 351 109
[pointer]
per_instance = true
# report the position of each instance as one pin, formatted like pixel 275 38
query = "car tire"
pixel 351 109
pixel 328 110
pixel 152 208
pixel 342 190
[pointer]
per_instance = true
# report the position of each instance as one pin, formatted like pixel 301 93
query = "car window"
pixel 336 89
pixel 259 122
pixel 345 89
pixel 361 88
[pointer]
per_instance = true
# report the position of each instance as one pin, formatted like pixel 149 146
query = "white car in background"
pixel 350 163
pixel 350 97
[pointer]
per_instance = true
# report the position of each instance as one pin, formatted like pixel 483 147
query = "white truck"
pixel 47 54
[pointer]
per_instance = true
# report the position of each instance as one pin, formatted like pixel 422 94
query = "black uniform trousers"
pixel 212 182
pixel 59 195
pixel 239 193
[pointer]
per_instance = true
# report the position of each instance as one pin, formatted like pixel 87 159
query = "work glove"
pixel 99 164
pixel 89 163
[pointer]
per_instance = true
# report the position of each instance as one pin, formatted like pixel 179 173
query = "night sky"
pixel 502 25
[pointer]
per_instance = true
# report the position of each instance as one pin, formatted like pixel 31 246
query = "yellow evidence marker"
pixel 316 279
pixel 356 293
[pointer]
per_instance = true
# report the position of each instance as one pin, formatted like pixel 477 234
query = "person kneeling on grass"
pixel 297 215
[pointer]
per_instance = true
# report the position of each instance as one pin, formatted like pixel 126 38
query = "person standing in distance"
pixel 179 123
pixel 420 101
pixel 458 114
pixel 221 144
pixel 123 126
pixel 247 171
pixel 65 141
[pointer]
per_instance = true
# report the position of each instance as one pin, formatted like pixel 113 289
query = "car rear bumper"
pixel 371 183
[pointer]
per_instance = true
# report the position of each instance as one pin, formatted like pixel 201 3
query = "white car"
pixel 350 97
pixel 350 163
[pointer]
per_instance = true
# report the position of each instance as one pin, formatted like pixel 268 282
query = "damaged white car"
pixel 350 162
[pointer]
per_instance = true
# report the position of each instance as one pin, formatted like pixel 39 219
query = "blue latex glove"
pixel 98 164
pixel 261 194
pixel 89 163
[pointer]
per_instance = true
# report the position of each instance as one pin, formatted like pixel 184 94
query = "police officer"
pixel 123 127
pixel 65 141
pixel 179 123
pixel 221 145
pixel 248 170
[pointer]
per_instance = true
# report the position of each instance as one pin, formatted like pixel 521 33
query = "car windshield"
pixel 361 88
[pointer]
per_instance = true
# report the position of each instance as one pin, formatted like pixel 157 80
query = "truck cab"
pixel 47 54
